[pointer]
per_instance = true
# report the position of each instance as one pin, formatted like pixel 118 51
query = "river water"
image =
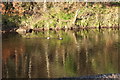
pixel 57 54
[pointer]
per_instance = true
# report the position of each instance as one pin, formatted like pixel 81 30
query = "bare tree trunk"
pixel 86 3
pixel 44 5
pixel 75 17
pixel 55 3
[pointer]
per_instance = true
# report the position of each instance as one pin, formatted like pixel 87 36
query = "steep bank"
pixel 62 15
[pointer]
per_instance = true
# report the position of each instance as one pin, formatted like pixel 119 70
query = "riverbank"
pixel 61 16
pixel 28 30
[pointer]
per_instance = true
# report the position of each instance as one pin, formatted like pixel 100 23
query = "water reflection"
pixel 78 53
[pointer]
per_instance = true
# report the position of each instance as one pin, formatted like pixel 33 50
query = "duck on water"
pixel 60 38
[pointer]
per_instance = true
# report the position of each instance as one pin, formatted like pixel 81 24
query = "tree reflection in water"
pixel 78 53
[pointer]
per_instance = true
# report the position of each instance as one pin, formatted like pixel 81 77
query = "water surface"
pixel 79 53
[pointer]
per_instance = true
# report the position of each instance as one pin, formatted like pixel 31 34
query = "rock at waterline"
pixel 29 30
pixel 22 30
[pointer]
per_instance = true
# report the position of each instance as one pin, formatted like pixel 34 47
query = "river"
pixel 57 54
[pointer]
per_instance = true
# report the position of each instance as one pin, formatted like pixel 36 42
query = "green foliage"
pixel 39 24
pixel 10 22
pixel 60 16
pixel 65 16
